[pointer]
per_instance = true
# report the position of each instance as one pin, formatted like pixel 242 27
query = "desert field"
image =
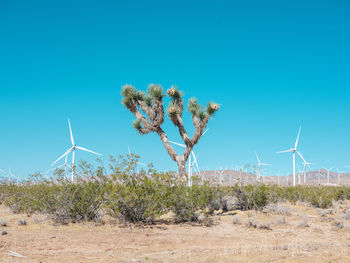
pixel 283 233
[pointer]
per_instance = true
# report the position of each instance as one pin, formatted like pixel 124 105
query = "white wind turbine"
pixel 11 177
pixel 190 163
pixel 305 163
pixel 72 149
pixel 259 166
pixel 328 172
pixel 338 173
pixel 65 164
pixel 294 150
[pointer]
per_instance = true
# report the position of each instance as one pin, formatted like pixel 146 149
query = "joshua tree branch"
pixel 199 130
pixel 147 109
pixel 179 123
pixel 159 109
pixel 146 124
pixel 166 144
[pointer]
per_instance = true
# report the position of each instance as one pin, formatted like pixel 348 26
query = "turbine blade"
pixel 71 134
pixel 142 164
pixel 195 160
pixel 84 149
pixel 286 151
pixel 301 157
pixel 257 157
pixel 129 150
pixel 205 131
pixel 59 166
pixel 296 143
pixel 182 145
pixel 67 152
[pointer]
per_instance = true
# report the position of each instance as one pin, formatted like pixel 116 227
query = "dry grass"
pixel 223 242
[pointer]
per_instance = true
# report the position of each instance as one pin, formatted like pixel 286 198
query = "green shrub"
pixel 143 196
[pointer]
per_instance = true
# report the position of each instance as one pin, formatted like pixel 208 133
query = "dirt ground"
pixel 291 241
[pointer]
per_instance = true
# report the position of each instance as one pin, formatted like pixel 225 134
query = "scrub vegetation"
pixel 142 197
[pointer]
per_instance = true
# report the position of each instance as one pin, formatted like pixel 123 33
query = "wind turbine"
pixel 338 173
pixel 294 150
pixel 259 166
pixel 305 163
pixel 65 164
pixel 328 171
pixel 72 149
pixel 11 177
pixel 190 164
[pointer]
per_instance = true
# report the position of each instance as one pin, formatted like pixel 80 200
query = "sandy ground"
pixel 41 241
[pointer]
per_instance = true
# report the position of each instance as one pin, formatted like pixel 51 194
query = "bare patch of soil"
pixel 42 241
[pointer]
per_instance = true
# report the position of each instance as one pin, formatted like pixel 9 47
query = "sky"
pixel 272 65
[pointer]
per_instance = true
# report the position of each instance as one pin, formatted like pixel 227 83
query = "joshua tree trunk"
pixel 149 112
pixel 181 165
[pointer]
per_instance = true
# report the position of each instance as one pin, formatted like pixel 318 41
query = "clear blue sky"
pixel 273 65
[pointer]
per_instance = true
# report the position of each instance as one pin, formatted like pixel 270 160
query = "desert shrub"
pixel 321 200
pixel 21 222
pixel 76 202
pixel 277 209
pixel 185 201
pixel 142 196
pixel 3 222
pixel 252 197
pixel 338 225
pixel 137 197
pixel 303 222
pixel 347 214
pixel 236 220
pixel 252 223
pixel 205 220
pixel 280 220
pixel 60 199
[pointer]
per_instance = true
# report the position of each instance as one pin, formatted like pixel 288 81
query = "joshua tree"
pixel 148 109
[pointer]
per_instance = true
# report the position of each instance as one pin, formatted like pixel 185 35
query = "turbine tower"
pixel 259 166
pixel 294 150
pixel 72 149
pixel 190 163
pixel 338 173
pixel 328 172
pixel 305 163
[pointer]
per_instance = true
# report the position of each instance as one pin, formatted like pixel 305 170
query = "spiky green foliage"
pixel 195 108
pixel 174 93
pixel 137 125
pixel 148 100
pixel 139 95
pixel 173 109
pixel 212 107
pixel 127 102
pixel 155 91
pixel 128 91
